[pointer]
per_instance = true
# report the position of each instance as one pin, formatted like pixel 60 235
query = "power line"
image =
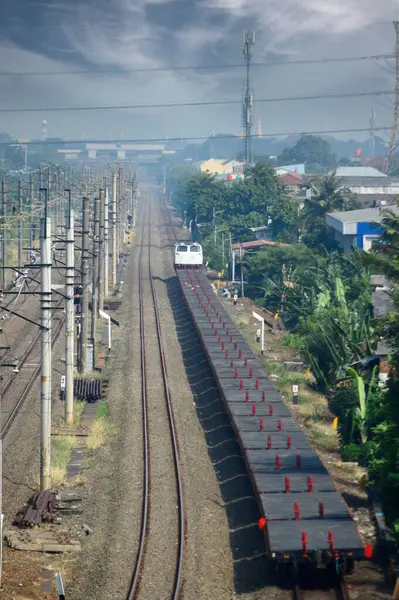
pixel 195 67
pixel 192 104
pixel 195 138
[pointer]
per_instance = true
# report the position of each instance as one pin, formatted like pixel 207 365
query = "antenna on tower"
pixel 372 132
pixel 248 100
pixel 259 129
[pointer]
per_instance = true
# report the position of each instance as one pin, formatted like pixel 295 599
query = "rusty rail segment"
pixel 134 588
pixel 39 509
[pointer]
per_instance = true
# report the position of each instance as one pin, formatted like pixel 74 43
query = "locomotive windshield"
pixel 195 249
pixel 181 248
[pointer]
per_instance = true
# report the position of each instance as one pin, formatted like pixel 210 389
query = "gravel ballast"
pixel 224 549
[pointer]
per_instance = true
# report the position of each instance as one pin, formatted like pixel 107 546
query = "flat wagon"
pixel 304 519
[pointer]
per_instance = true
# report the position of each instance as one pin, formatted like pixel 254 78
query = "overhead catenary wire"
pixel 193 104
pixel 305 61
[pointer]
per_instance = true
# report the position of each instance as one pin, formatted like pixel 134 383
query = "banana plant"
pixel 361 413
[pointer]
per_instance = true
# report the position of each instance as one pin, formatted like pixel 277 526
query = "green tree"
pixel 199 194
pixel 327 195
pixel 310 149
pixel 384 467
pixel 285 222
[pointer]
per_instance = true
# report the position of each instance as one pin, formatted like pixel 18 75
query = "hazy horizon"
pixel 39 35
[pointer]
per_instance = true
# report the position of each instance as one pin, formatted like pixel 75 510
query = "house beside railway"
pixel 370 186
pixel 358 228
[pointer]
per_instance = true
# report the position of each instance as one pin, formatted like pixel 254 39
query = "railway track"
pixel 142 556
pixel 7 387
pixel 339 591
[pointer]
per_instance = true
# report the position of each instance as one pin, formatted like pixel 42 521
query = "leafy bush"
pixel 350 453
pixel 361 453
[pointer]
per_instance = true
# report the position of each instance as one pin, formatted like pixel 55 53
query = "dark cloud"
pixel 117 36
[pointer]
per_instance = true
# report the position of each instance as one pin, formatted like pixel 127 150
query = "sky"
pixel 110 38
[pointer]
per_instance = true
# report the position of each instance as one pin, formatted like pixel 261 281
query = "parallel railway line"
pixel 8 386
pixel 145 532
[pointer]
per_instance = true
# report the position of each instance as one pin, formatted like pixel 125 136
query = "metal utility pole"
pixel 70 312
pixel 101 252
pixel 41 177
pixel 106 240
pixel 233 260
pixel 134 209
pixel 248 100
pixel 119 215
pixel 84 314
pixel 20 223
pixel 4 231
pixel 394 126
pixel 31 208
pixel 45 379
pixel 242 273
pixel 114 233
pixel 94 294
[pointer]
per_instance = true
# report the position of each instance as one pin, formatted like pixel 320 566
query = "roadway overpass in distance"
pixel 115 151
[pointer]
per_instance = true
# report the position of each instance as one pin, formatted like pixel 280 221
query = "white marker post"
pixel 106 316
pixel 262 320
pixel 295 394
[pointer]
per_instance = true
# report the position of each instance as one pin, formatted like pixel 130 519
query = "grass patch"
pixel 77 481
pixel 102 410
pixel 101 429
pixel 323 436
pixel 78 408
pixel 61 452
pixel 348 470
pixel 242 321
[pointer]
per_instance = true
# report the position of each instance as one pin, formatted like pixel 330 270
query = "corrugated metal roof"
pixel 370 182
pixel 359 172
pixel 300 168
pixel 364 215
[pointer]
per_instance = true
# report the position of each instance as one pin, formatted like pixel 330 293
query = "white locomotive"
pixel 188 254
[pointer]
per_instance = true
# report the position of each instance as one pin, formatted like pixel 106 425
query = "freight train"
pixel 304 518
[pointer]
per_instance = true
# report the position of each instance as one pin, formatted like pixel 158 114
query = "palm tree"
pixel 327 195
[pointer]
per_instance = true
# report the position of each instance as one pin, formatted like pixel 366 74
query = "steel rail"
pixel 134 585
pixel 172 425
pixel 145 523
pixel 339 592
pixel 169 219
pixel 13 414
